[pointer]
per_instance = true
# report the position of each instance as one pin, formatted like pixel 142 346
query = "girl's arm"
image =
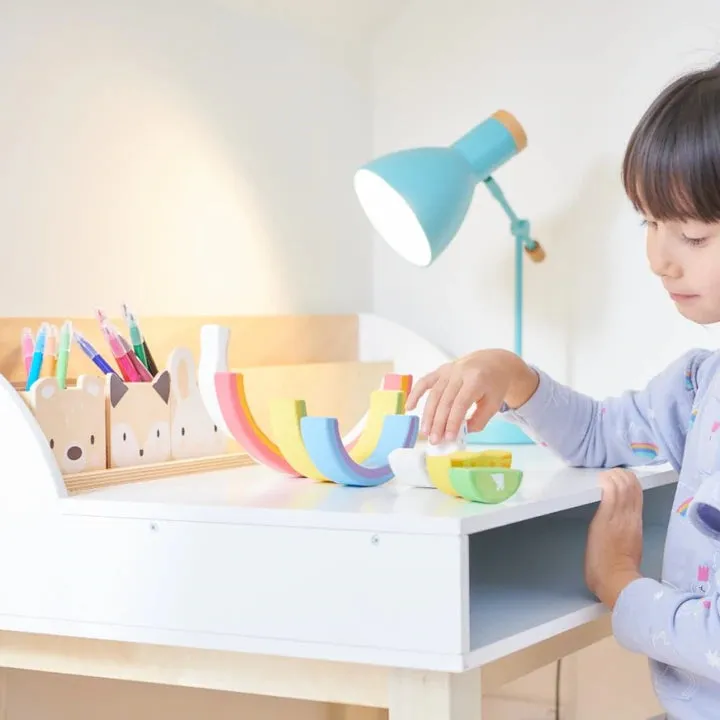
pixel 640 427
pixel 681 629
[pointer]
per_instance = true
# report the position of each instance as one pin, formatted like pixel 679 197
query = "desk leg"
pixel 3 693
pixel 418 695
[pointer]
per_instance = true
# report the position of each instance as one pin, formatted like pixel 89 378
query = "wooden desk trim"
pixel 294 678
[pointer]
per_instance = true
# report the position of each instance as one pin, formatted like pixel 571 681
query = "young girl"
pixel 671 174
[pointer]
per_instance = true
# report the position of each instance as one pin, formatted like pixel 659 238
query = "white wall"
pixel 184 156
pixel 188 158
pixel 578 76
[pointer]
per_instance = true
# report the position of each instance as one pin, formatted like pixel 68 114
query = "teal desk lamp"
pixel 416 200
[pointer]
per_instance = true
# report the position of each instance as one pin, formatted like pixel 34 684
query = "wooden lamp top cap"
pixel 513 126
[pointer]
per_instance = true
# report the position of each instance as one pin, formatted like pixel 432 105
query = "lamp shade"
pixel 416 199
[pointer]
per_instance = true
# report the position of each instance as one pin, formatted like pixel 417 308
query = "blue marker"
pixel 93 354
pixel 37 357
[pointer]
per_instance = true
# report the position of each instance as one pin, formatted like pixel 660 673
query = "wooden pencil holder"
pixel 138 421
pixel 193 432
pixel 162 420
pixel 108 431
pixel 72 420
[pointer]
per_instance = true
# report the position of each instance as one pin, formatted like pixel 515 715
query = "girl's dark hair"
pixel 671 169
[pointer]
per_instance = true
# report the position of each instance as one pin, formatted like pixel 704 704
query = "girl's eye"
pixel 693 240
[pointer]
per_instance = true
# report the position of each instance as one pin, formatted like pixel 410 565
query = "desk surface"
pixel 259 496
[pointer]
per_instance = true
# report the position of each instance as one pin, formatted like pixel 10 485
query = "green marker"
pixel 136 337
pixel 63 354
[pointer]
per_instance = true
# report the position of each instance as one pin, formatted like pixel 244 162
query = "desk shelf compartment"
pixel 526 580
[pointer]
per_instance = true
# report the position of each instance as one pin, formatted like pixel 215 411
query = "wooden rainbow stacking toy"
pixel 307 446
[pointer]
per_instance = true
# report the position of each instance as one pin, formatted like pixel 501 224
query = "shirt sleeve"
pixel 640 427
pixel 681 629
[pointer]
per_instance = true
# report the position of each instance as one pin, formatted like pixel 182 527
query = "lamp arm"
pixel 520 229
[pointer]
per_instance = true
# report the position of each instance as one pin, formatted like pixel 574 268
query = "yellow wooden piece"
pixel 382 403
pixel 438 466
pixel 285 416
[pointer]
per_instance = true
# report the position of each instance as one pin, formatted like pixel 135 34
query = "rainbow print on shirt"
pixel 683 507
pixel 645 450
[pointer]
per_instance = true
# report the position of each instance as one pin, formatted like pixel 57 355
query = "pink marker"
pixel 129 373
pixel 27 345
pixel 140 369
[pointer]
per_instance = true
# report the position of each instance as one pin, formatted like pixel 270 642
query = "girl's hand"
pixel 614 545
pixel 485 378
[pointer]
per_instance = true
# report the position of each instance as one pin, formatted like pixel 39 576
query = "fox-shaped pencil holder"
pixel 138 421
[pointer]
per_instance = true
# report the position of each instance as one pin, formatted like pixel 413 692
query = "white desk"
pixel 248 581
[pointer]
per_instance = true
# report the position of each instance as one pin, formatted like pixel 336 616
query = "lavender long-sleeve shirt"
pixel 675 419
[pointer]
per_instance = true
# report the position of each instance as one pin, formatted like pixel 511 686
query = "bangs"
pixel 671 170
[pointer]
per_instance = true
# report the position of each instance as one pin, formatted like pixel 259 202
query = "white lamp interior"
pixel 392 218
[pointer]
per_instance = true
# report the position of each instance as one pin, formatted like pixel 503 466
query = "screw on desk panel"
pixel 153 527
pixel 375 539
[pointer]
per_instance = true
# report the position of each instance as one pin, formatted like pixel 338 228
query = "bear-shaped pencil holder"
pixel 73 421
pixel 194 434
pixel 138 421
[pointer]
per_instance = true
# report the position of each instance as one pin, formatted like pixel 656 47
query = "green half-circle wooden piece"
pixel 488 485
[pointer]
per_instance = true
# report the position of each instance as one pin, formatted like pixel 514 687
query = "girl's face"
pixel 686 257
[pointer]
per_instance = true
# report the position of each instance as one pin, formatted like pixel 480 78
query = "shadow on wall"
pixel 573 280
pixel 206 141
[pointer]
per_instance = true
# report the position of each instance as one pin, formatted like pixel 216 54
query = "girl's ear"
pixel 182 372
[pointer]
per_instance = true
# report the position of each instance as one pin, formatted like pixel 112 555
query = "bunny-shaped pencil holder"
pixel 193 432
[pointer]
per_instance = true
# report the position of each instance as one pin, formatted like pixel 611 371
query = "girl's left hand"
pixel 614 545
